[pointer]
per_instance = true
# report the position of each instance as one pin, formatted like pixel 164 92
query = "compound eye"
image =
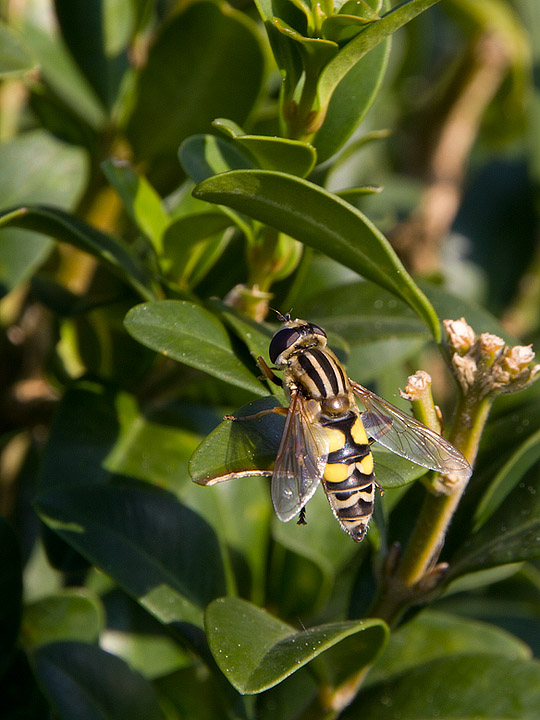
pixel 281 341
pixel 316 329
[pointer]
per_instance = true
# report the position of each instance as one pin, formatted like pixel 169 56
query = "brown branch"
pixel 417 239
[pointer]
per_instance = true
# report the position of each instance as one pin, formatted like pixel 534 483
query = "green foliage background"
pixel 168 170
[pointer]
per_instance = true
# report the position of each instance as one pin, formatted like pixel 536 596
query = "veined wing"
pixel 299 463
pixel 407 437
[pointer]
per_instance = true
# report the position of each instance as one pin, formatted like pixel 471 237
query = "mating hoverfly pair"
pixel 326 439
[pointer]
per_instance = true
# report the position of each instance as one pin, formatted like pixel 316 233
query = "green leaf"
pixel 15 59
pixel 351 99
pixel 256 650
pixel 323 221
pixel 148 542
pixel 84 30
pixel 203 156
pixel 82 681
pixel 61 73
pixel 47 171
pixel 170 106
pixel 510 535
pixel 461 687
pixel 369 38
pixel 141 201
pixel 507 478
pixel 192 335
pixel 240 447
pixel 273 153
pixel 433 635
pixel 11 587
pixel 68 228
pixel 71 614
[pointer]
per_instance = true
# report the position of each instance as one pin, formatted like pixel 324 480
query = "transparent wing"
pixel 299 463
pixel 407 437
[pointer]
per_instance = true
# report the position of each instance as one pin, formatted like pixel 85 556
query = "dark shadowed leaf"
pixel 10 591
pixel 82 682
pixel 70 614
pixel 511 534
pixel 461 687
pixel 153 546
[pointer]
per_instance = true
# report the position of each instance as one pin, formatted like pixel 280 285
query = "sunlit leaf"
pixel 190 334
pixel 323 221
pixel 256 650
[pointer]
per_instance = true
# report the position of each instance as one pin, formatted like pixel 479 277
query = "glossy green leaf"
pixel 171 106
pixel 142 537
pixel 102 59
pixel 323 221
pixel 433 635
pixel 192 335
pixel 256 650
pixel 71 614
pixel 47 171
pixel 242 446
pixel 11 587
pixel 68 228
pixel 369 38
pixel 273 153
pixel 464 687
pixel 82 681
pixel 15 59
pixel 342 28
pixel 510 535
pixel 141 201
pixel 507 478
pixel 316 52
pixel 350 101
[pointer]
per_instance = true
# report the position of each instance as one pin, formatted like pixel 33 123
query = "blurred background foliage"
pixel 129 591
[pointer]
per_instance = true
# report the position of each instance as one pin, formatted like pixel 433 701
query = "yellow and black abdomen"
pixel 348 475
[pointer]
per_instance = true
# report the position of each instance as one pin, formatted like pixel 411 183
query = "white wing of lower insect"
pixel 299 463
pixel 407 437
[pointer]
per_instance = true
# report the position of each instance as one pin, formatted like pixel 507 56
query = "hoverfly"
pixel 326 439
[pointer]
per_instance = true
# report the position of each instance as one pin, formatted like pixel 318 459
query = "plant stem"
pixel 404 586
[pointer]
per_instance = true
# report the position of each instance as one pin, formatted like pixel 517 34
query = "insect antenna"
pixel 282 318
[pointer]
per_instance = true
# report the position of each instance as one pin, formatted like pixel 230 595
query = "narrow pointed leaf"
pixel 511 534
pixel 369 38
pixel 507 478
pixel 256 650
pixel 322 220
pixel 192 335
pixel 82 681
pixel 68 228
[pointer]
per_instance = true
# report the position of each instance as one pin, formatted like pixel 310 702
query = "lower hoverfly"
pixel 326 439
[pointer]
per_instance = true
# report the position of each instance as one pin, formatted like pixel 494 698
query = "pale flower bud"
pixel 417 384
pixel 518 359
pixel 461 336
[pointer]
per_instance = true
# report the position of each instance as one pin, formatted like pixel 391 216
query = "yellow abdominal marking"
pixel 366 464
pixel 336 472
pixel 358 433
pixel 336 439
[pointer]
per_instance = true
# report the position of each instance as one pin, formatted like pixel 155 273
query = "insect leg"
pixel 268 372
pixel 278 410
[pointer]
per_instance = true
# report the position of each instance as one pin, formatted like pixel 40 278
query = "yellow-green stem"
pixel 435 516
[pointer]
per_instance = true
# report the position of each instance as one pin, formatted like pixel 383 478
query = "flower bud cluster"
pixel 485 365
